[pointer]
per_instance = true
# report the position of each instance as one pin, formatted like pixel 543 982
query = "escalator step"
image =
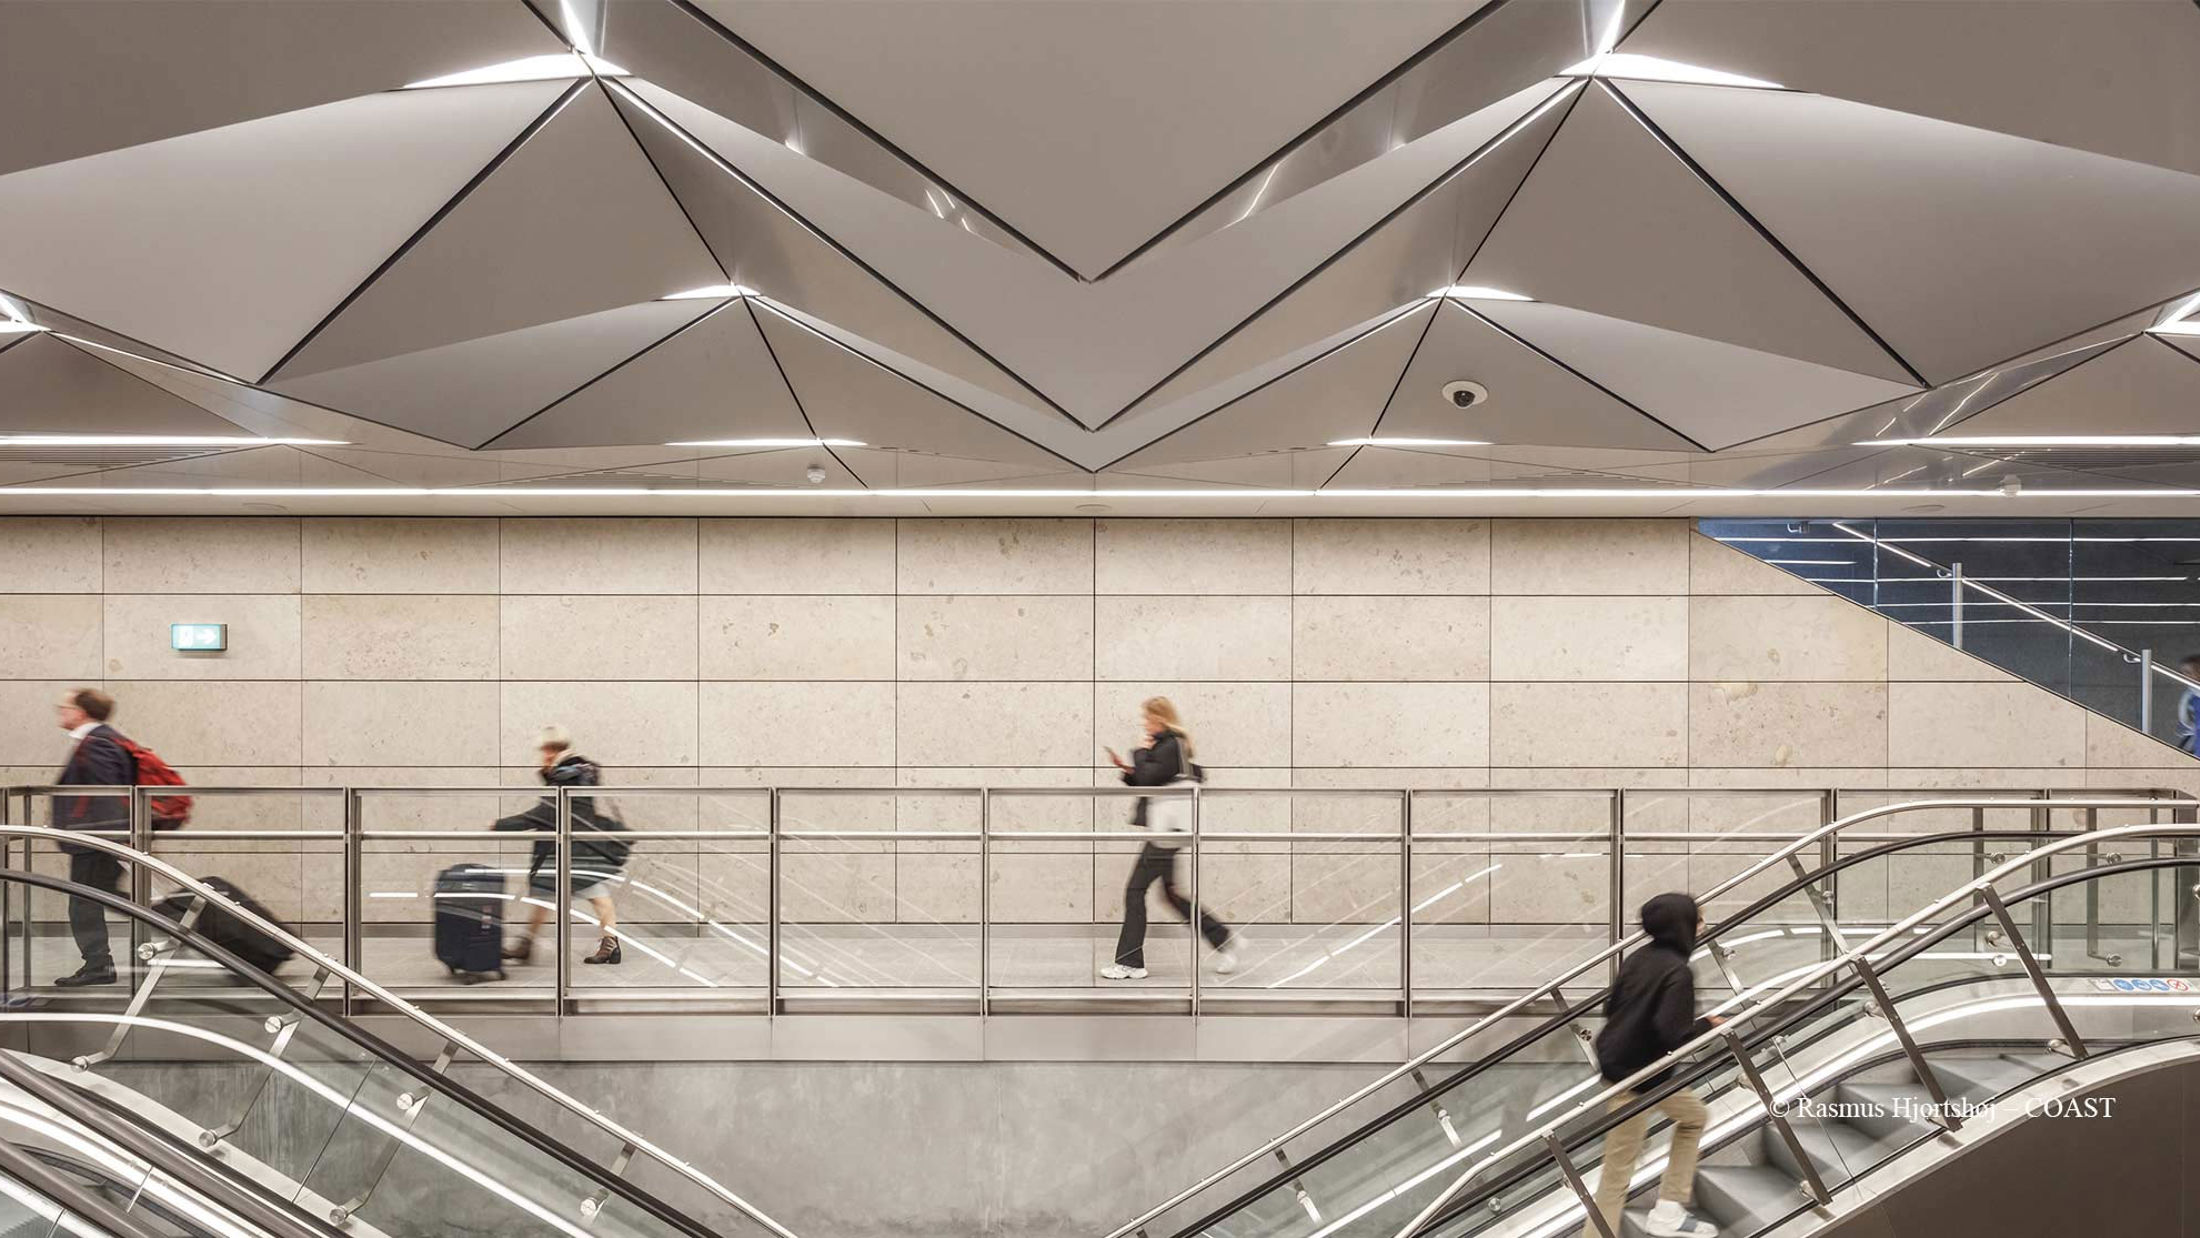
pixel 1837 1150
pixel 1980 1078
pixel 1743 1199
pixel 1887 1102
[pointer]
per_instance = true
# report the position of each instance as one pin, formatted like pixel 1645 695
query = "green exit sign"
pixel 198 637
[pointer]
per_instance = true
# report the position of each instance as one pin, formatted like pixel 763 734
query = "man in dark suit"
pixel 96 759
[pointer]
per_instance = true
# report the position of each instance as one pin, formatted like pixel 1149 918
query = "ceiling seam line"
pixel 1392 397
pixel 623 362
pixel 925 387
pixel 141 464
pixel 784 74
pixel 1734 204
pixel 307 451
pixel 726 166
pixel 1235 400
pixel 1646 415
pixel 686 214
pixel 2116 347
pixel 1292 146
pixel 479 178
pixel 1514 196
pixel 801 410
pixel 1475 156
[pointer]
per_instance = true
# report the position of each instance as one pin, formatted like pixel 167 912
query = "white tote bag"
pixel 1172 814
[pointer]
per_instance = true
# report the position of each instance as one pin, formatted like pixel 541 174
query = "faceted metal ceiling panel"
pixel 228 245
pixel 1168 100
pixel 80 78
pixel 1533 399
pixel 713 379
pixel 1337 396
pixel 46 386
pixel 470 392
pixel 573 221
pixel 2003 244
pixel 1716 394
pixel 1008 254
pixel 1612 222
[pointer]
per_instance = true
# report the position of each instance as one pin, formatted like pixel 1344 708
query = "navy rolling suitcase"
pixel 469 922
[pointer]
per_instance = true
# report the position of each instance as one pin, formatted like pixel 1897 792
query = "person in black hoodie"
pixel 1651 1012
pixel 596 859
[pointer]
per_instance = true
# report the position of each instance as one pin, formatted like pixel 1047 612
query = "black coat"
pixel 1652 1009
pixel 594 854
pixel 1157 765
pixel 98 760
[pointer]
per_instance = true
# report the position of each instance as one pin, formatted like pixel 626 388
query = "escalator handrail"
pixel 1811 976
pixel 1514 1007
pixel 1690 1073
pixel 1415 1103
pixel 444 1085
pixel 422 1018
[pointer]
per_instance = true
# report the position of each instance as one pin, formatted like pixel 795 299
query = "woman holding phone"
pixel 1166 759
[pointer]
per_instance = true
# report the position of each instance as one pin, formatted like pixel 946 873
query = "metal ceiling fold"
pixel 47 386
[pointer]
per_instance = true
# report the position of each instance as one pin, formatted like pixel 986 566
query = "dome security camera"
pixel 816 474
pixel 2012 485
pixel 1464 394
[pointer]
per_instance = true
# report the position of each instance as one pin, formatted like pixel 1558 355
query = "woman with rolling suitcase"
pixel 596 858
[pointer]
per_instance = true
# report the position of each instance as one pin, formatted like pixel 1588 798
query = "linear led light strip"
pixel 2043 440
pixel 1638 494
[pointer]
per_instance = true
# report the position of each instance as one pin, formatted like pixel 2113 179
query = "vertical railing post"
pixel 1405 903
pixel 985 902
pixel 141 880
pixel 2146 691
pixel 354 926
pixel 1616 860
pixel 1193 923
pixel 563 872
pixel 771 908
pixel 7 896
pixel 1955 584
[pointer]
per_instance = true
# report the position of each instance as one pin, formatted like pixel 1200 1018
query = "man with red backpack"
pixel 100 758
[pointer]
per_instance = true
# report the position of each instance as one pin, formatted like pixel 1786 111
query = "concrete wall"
pixel 913 653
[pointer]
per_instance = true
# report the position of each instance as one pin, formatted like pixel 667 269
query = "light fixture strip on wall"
pixel 1673 495
pixel 161 440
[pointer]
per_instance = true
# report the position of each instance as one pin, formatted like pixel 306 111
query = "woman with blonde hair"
pixel 596 860
pixel 1166 759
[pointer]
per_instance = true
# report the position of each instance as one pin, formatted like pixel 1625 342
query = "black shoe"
pixel 90 973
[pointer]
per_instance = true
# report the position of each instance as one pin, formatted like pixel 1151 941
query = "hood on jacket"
pixel 1670 920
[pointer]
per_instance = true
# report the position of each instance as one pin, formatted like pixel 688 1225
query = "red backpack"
pixel 170 812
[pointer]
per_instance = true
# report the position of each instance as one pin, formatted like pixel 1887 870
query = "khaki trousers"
pixel 1623 1147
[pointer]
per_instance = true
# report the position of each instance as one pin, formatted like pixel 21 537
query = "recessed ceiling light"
pixel 161 440
pixel 1408 442
pixel 531 69
pixel 711 292
pixel 1662 494
pixel 1475 292
pixel 2189 326
pixel 770 442
pixel 2041 440
pixel 1653 69
pixel 2182 320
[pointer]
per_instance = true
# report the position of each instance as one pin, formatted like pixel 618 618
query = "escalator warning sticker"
pixel 2135 984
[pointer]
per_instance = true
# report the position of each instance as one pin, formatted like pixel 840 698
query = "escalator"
pixel 1498 1144
pixel 304 1123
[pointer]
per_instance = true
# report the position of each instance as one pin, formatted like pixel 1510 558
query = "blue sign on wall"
pixel 198 637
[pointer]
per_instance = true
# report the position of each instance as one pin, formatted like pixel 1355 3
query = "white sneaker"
pixel 1226 956
pixel 1116 971
pixel 1670 1220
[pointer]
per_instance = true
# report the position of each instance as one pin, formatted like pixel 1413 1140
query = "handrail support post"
pixel 2071 1040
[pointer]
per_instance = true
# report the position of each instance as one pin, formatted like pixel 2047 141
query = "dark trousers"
pixel 1157 864
pixel 87 919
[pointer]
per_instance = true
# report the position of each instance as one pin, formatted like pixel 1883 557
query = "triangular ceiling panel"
pixel 1333 397
pixel 1169 101
pixel 2140 387
pixel 227 246
pixel 470 392
pixel 1289 470
pixel 573 222
pixel 763 247
pixel 845 394
pixel 1414 253
pixel 714 379
pixel 50 387
pixel 2005 67
pixel 899 469
pixel 1993 245
pixel 138 73
pixel 1611 222
pixel 1716 394
pixel 2187 344
pixel 1532 398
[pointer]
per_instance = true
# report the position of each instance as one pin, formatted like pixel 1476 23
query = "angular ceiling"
pixel 1099 243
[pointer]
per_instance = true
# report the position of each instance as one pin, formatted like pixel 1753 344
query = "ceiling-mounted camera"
pixel 815 474
pixel 1464 394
